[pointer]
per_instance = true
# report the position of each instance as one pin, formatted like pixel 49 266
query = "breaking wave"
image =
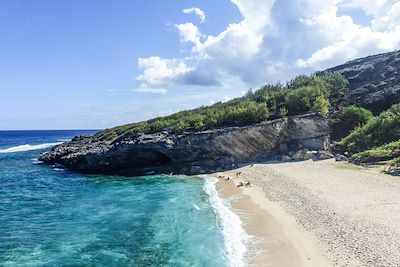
pixel 27 147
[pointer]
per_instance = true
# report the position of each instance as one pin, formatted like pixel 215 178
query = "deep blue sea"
pixel 50 216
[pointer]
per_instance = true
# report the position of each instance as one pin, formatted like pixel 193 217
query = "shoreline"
pixel 276 238
pixel 322 213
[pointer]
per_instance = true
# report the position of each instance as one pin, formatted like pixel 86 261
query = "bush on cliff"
pixel 357 116
pixel 380 130
pixel 382 153
pixel 304 94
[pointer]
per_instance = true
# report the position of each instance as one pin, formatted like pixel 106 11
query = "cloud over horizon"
pixel 275 40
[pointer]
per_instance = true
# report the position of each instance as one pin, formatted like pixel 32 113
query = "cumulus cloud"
pixel 159 72
pixel 195 10
pixel 275 40
pixel 145 89
pixel 189 33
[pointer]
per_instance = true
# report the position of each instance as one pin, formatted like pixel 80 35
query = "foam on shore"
pixel 234 234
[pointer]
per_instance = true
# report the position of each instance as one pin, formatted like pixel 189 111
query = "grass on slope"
pixel 382 153
pixel 380 130
pixel 304 94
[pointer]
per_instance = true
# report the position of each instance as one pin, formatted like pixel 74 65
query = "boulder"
pixel 303 154
pixel 341 158
pixel 322 155
pixel 286 158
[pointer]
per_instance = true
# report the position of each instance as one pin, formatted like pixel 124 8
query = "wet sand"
pixel 277 240
pixel 317 213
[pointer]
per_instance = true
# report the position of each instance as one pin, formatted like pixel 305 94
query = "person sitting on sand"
pixel 240 184
pixel 227 178
pixel 247 184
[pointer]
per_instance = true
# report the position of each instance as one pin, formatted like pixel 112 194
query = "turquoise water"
pixel 50 216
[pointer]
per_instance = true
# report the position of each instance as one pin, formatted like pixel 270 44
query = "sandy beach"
pixel 322 213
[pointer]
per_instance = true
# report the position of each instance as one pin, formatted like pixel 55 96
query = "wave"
pixel 235 236
pixel 27 147
pixel 64 139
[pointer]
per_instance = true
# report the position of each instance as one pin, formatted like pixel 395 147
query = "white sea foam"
pixel 196 207
pixel 64 140
pixel 27 147
pixel 235 236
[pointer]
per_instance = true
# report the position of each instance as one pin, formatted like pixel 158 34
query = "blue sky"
pixel 96 64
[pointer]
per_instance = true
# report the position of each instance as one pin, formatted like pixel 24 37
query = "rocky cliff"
pixel 374 81
pixel 196 152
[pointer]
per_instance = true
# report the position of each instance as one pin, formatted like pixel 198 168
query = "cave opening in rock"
pixel 160 158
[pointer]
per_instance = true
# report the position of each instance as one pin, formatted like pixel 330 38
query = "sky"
pixel 95 64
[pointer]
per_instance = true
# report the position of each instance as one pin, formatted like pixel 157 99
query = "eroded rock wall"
pixel 195 152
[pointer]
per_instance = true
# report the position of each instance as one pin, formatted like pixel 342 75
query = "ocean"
pixel 50 216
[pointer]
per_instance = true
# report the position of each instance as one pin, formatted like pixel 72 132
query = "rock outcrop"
pixel 195 152
pixel 374 81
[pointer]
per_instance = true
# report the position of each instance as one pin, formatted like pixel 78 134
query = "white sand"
pixel 319 213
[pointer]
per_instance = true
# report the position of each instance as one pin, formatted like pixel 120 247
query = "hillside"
pixel 289 121
pixel 374 81
pixel 302 95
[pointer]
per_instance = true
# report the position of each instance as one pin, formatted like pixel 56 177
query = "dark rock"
pixel 374 81
pixel 197 170
pixel 303 154
pixel 286 158
pixel 283 148
pixel 190 153
pixel 322 155
pixel 341 158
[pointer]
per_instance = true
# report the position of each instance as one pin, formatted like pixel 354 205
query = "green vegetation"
pixel 345 121
pixel 304 94
pixel 378 140
pixel 394 166
pixel 382 153
pixel 380 130
pixel 358 116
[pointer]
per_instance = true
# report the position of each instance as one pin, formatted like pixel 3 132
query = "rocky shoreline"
pixel 294 138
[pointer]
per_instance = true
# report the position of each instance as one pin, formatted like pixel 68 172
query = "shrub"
pixel 358 116
pixel 283 112
pixel 337 83
pixel 381 153
pixel 306 99
pixel 380 130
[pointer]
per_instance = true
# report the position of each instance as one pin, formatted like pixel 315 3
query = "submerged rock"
pixel 191 153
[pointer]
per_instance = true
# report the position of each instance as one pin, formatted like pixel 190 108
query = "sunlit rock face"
pixel 192 152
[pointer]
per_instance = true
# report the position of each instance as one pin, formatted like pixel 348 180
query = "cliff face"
pixel 374 81
pixel 192 153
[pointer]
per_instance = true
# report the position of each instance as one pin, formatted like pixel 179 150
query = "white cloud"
pixel 142 89
pixel 275 40
pixel 195 10
pixel 145 89
pixel 159 72
pixel 189 33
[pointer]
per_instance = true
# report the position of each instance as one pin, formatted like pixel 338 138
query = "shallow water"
pixel 53 217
